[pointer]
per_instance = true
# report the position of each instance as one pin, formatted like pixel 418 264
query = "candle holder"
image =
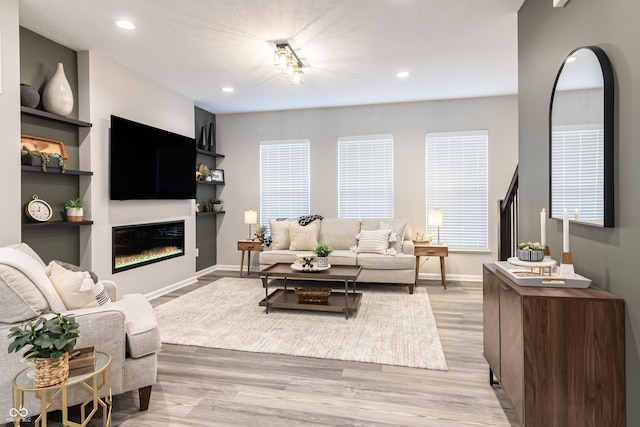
pixel 547 252
pixel 566 267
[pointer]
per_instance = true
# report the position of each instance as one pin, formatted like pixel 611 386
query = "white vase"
pixel 57 96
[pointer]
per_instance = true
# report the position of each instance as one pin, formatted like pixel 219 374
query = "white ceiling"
pixel 352 48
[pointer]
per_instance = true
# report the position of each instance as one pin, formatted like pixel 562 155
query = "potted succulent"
pixel 206 174
pixel 74 209
pixel 322 251
pixel 49 342
pixel 530 251
pixel 260 230
pixel 218 204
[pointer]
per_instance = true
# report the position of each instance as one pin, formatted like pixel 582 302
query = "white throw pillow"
pixel 303 237
pixel 375 241
pixel 398 230
pixel 279 233
pixel 98 287
pixel 74 287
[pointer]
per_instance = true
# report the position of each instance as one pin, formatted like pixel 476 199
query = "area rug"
pixel 391 327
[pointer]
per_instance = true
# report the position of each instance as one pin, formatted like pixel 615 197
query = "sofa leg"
pixel 145 395
pixel 410 288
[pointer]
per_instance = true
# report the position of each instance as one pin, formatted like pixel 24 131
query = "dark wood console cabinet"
pixel 557 353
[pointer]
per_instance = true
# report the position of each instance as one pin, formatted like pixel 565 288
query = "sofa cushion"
pixel 101 294
pixel 303 237
pixel 397 233
pixel 343 257
pixel 21 299
pixel 339 233
pixel 374 241
pixel 271 257
pixel 23 247
pixel 371 261
pixel 75 288
pixel 279 233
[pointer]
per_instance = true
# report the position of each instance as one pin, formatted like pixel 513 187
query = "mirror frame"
pixel 608 133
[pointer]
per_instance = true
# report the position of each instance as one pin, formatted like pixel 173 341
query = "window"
pixel 457 184
pixel 365 177
pixel 577 174
pixel 284 179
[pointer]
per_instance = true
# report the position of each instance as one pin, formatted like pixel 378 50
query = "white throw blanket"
pixel 34 271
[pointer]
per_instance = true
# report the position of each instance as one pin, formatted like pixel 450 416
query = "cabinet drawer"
pixel 250 246
pixel 431 251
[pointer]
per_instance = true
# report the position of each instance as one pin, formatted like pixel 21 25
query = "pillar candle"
pixel 543 229
pixel 565 231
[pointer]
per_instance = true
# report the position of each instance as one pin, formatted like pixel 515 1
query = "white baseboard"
pixel 452 277
pixel 170 288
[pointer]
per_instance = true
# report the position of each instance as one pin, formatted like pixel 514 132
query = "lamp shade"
pixel 250 217
pixel 434 218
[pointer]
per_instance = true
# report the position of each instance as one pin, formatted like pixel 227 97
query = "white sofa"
pixel 124 328
pixel 396 266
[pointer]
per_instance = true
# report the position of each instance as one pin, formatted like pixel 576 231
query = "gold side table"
pixel 97 381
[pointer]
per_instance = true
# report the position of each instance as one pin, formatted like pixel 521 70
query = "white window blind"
pixel 365 177
pixel 457 184
pixel 577 173
pixel 284 179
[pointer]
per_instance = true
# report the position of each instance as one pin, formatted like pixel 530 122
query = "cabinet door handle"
pixel 506 288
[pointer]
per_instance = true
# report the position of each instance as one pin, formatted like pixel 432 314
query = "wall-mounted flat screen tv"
pixel 150 163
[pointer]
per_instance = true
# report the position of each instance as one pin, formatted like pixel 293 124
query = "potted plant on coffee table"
pixel 322 251
pixel 74 209
pixel 49 342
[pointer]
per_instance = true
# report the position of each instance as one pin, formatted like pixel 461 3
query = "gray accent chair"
pixel 125 328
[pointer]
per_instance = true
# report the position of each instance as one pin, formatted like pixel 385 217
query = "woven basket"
pixel 313 295
pixel 51 372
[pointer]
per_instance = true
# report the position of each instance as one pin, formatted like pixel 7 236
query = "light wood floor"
pixel 209 387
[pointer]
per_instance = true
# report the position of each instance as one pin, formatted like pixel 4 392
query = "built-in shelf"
pixel 55 224
pixel 54 171
pixel 209 182
pixel 55 117
pixel 209 153
pixel 209 213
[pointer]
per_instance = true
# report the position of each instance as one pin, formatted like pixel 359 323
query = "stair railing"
pixel 508 221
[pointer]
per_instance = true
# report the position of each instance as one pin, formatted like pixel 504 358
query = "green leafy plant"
pixel 217 201
pixel 75 204
pixel 530 246
pixel 45 157
pixel 261 229
pixel 323 249
pixel 46 338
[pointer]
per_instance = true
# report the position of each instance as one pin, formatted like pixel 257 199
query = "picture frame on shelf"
pixel 217 176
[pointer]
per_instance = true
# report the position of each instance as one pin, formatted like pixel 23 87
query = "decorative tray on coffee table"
pixel 313 269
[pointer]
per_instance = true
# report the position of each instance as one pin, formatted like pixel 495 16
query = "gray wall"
pixel 608 256
pixel 239 136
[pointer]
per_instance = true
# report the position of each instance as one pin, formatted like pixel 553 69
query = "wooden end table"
pixel 97 381
pixel 425 249
pixel 248 246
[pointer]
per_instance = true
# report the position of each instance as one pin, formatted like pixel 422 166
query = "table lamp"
pixel 251 218
pixel 434 219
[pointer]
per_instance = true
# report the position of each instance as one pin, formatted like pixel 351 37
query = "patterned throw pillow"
pixel 303 238
pixel 374 241
pixel 398 230
pixel 97 286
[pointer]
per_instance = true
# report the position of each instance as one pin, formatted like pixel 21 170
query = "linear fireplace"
pixel 142 244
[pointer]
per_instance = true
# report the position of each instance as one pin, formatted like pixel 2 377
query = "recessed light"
pixel 402 74
pixel 227 89
pixel 125 25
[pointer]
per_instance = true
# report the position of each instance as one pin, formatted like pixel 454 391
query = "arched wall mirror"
pixel 581 139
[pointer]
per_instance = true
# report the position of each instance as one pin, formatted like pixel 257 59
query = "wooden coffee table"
pixel 286 298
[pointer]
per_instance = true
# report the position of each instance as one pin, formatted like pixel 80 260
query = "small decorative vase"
pixel 202 141
pixel 322 262
pixel 57 96
pixel 217 207
pixel 75 214
pixel 211 144
pixel 530 255
pixel 29 96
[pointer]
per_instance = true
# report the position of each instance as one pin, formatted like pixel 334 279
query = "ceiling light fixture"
pixel 402 74
pixel 287 62
pixel 125 25
pixel 227 89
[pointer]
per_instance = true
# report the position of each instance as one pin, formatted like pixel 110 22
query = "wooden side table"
pixel 248 245
pixel 423 249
